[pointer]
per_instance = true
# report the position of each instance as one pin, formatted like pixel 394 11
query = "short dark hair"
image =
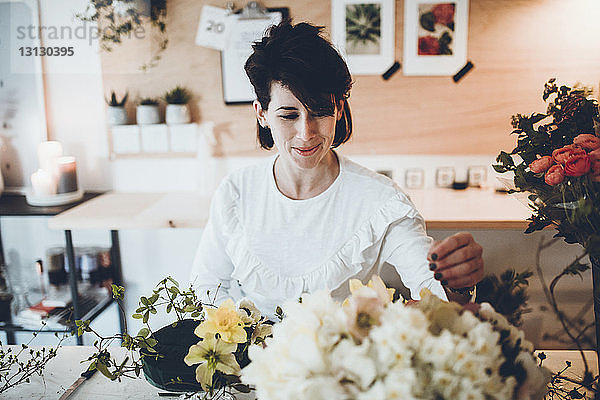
pixel 306 63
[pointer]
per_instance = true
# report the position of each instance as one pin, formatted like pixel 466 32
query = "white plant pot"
pixel 146 114
pixel 177 114
pixel 116 115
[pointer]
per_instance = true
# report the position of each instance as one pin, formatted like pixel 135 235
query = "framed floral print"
pixel 363 31
pixel 435 36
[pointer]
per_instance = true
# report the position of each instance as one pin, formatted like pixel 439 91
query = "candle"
pixel 43 182
pixel 67 175
pixel 48 154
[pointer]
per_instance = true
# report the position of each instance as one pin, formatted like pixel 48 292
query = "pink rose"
pixel 595 168
pixel 562 155
pixel 555 175
pixel 577 165
pixel 594 155
pixel 595 174
pixel 541 164
pixel 587 141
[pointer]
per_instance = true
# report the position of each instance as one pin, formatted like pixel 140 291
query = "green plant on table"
pixel 114 102
pixel 148 101
pixel 177 95
pixel 219 348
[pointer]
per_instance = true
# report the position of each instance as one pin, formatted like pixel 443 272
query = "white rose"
pixel 350 361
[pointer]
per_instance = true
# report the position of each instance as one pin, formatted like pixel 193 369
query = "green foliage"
pixel 114 102
pixel 148 101
pixel 18 365
pixel 119 20
pixel 572 206
pixel 166 296
pixel 178 95
pixel 507 294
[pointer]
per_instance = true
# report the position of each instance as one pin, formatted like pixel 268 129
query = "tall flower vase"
pixel 595 260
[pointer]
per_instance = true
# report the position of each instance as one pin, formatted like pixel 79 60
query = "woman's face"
pixel 300 136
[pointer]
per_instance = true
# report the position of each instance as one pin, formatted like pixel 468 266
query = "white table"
pixel 442 209
pixel 63 370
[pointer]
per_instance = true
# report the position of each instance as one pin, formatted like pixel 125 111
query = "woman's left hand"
pixel 456 261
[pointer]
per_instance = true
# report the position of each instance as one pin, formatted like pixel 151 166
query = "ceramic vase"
pixel 116 115
pixel 177 114
pixel 147 114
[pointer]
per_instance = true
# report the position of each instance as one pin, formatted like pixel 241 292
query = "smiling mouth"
pixel 307 151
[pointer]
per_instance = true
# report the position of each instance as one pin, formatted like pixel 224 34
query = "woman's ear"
pixel 260 114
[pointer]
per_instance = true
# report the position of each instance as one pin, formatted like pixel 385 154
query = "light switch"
pixel 415 178
pixel 444 176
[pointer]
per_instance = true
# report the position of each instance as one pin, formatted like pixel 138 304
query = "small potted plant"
pixel 177 111
pixel 147 112
pixel 116 113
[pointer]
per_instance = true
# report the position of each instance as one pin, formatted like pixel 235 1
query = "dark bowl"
pixel 173 345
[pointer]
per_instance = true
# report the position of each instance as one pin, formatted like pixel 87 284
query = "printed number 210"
pixel 216 27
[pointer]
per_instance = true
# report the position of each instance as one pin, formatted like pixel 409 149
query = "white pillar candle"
pixel 43 183
pixel 67 175
pixel 48 154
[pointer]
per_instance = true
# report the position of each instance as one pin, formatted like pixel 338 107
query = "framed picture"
pixel 244 31
pixel 435 36
pixel 363 31
pixel 22 110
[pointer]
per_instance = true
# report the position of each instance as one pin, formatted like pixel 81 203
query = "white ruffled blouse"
pixel 264 246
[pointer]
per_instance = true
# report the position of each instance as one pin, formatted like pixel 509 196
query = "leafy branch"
pixel 168 296
pixel 15 371
pixel 575 334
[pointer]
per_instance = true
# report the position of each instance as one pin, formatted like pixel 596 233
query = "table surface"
pixel 442 209
pixel 63 370
pixel 117 210
pixel 13 205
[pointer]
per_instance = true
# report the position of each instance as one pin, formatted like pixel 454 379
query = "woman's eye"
pixel 289 116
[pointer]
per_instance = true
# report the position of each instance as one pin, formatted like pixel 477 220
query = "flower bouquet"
pixel 557 160
pixel 372 348
pixel 202 351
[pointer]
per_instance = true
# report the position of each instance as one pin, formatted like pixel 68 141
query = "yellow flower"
pixel 212 355
pixel 225 321
pixel 386 295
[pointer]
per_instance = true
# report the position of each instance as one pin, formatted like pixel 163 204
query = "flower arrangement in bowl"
pixel 557 160
pixel 203 350
pixel 177 111
pixel 373 348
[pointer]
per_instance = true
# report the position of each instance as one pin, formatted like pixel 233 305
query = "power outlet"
pixel 415 178
pixel 477 176
pixel 444 176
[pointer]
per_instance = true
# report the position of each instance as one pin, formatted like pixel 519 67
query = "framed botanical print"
pixel 363 31
pixel 435 36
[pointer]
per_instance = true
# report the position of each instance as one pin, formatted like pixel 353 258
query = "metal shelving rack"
pixel 15 205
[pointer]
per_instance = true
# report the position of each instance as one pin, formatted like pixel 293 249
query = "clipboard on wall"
pixel 249 25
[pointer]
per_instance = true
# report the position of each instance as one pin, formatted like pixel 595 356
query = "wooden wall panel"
pixel 515 45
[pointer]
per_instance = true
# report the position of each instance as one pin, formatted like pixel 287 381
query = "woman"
pixel 308 218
